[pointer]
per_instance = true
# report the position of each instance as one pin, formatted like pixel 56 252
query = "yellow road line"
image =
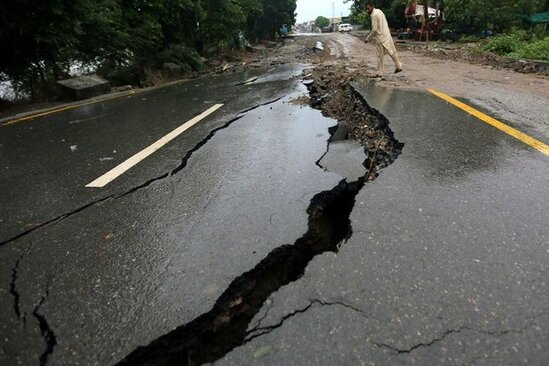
pixel 536 144
pixel 57 110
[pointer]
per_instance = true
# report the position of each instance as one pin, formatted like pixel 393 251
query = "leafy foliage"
pixel 472 18
pixel 535 50
pixel 516 45
pixel 40 40
pixel 321 22
pixel 275 14
pixel 499 15
pixel 503 44
pixel 467 15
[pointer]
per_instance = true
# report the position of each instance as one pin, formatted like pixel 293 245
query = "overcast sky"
pixel 310 9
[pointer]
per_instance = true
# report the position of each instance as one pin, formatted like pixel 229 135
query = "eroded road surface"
pixel 316 217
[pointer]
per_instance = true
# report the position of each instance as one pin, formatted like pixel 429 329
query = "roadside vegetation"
pixel 42 41
pixel 321 22
pixel 518 44
pixel 516 35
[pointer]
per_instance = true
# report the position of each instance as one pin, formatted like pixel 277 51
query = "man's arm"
pixel 375 27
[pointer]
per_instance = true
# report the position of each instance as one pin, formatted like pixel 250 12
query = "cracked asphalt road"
pixel 100 274
pixel 447 263
pixel 55 155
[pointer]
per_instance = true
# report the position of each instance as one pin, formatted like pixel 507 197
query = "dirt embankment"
pixel 468 53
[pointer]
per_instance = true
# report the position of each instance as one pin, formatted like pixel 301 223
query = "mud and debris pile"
pixel 332 92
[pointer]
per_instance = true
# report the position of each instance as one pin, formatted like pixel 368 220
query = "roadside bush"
pixel 503 44
pixel 536 50
pixel 519 44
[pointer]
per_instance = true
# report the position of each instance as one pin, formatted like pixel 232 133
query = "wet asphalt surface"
pixel 52 158
pixel 447 263
pixel 174 244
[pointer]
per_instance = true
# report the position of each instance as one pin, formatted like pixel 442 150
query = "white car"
pixel 345 27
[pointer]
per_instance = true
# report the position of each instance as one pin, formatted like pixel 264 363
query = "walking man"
pixel 382 35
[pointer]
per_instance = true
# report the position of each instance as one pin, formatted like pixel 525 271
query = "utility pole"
pixel 333 14
pixel 426 17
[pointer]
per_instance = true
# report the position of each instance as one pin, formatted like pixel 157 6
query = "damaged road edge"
pixel 212 335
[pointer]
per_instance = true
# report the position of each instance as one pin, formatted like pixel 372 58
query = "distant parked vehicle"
pixel 327 29
pixel 345 27
pixel 284 30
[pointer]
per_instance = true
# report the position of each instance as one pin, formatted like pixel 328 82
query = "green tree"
pixel 500 15
pixel 41 40
pixel 472 15
pixel 275 14
pixel 393 10
pixel 253 10
pixel 322 22
pixel 223 21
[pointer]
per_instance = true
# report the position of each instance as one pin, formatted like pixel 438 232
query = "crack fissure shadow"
pixel 214 334
pixel 14 291
pixel 47 333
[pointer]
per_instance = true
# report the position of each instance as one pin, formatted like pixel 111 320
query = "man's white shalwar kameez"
pixel 382 35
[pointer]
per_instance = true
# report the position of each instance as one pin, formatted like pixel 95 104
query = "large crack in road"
pixel 214 334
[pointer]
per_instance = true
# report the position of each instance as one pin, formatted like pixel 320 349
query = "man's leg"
pixel 397 62
pixel 380 56
pixel 389 48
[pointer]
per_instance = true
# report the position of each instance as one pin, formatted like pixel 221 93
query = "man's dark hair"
pixel 371 3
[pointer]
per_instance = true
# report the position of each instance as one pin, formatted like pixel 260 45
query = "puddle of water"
pixel 346 159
